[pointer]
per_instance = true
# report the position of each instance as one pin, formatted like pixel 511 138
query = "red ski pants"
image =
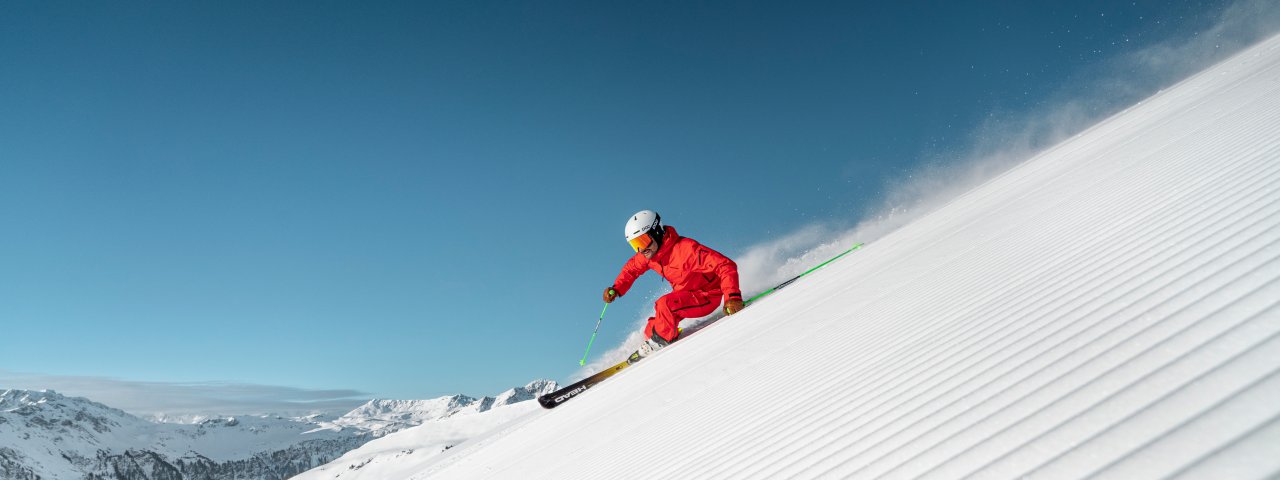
pixel 676 306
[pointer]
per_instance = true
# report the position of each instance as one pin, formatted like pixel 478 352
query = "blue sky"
pixel 415 199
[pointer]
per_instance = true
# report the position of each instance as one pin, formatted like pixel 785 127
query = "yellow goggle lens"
pixel 639 243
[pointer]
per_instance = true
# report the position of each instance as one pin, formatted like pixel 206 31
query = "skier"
pixel 700 278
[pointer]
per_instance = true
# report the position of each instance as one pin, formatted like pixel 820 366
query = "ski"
pixel 554 399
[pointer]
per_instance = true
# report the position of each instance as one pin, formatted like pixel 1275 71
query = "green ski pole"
pixel 593 335
pixel 797 277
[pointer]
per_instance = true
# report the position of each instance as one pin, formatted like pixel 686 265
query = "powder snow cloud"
pixel 1007 140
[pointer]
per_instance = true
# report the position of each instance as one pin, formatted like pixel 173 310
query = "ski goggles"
pixel 640 243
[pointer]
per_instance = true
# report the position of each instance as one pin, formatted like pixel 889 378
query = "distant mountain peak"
pixel 381 414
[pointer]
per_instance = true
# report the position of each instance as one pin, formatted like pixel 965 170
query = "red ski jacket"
pixel 687 265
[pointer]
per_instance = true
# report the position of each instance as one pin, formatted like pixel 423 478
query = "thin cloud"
pixel 186 401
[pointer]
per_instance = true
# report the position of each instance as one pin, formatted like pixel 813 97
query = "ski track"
pixel 1108 309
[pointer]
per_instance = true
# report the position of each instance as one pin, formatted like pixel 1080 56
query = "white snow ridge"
pixel 1107 309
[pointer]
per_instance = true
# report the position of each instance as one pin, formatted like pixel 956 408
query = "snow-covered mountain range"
pixel 387 416
pixel 1108 309
pixel 44 434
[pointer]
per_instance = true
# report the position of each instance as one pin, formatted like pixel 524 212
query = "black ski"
pixel 554 399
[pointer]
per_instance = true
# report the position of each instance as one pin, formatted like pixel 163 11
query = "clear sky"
pixel 413 199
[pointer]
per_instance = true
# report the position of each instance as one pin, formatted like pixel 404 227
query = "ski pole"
pixel 797 277
pixel 593 335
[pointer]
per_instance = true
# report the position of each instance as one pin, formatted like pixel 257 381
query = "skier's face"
pixel 650 250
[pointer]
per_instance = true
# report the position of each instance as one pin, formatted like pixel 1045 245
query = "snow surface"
pixel 1106 309
pixel 401 454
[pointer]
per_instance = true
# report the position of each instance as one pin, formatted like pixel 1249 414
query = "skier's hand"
pixel 610 294
pixel 732 306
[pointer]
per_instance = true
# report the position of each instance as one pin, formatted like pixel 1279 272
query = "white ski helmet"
pixel 644 227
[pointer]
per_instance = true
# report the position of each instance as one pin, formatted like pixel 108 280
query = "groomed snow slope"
pixel 1108 308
